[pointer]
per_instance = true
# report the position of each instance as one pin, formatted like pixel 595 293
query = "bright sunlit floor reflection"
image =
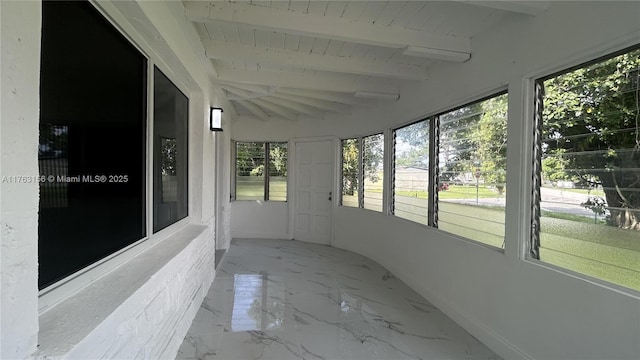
pixel 279 299
pixel 258 303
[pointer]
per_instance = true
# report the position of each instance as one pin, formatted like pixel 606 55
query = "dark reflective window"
pixel 170 124
pixel 92 140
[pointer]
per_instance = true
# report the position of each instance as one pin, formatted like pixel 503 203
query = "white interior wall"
pixel 145 315
pixel 20 64
pixel 269 220
pixel 521 309
pixel 260 219
pixel 223 171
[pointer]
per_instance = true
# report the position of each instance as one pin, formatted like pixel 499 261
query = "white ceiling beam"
pixel 346 99
pixel 228 51
pixel 323 82
pixel 531 8
pixel 318 104
pixel 287 104
pixel 298 23
pixel 283 112
pixel 253 109
pixel 259 89
pixel 239 94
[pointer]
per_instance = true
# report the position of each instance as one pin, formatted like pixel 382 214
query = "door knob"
pixel 330 193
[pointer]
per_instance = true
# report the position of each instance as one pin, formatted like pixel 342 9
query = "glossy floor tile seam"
pixel 283 299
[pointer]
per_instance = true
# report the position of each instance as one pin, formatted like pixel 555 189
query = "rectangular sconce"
pixel 215 119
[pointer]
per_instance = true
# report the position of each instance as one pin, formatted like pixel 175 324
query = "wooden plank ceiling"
pixel 299 59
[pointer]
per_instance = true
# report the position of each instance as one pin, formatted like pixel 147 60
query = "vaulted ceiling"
pixel 293 59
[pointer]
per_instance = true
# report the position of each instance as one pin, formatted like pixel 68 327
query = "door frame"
pixel 291 172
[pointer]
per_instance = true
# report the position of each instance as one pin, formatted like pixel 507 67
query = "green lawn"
pixel 582 191
pixel 252 188
pixel 454 192
pixel 569 241
pixel 600 251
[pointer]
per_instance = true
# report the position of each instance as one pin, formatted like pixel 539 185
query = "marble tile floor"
pixel 281 299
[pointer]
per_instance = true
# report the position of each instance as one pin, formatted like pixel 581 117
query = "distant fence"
pixel 53 194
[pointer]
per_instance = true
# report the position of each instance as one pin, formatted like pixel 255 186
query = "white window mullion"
pixel 149 154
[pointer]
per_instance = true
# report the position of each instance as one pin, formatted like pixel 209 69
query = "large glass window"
pixel 411 172
pixel 472 159
pixel 277 171
pixel 350 166
pixel 261 171
pixel 250 170
pixel 170 153
pixel 372 171
pixel 463 190
pixel 363 172
pixel 92 141
pixel 587 170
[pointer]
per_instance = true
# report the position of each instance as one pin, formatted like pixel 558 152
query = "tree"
pixel 373 156
pixel 372 159
pixel 555 166
pixel 277 159
pixel 350 155
pixel 412 145
pixel 458 148
pixel 490 140
pixel 249 158
pixel 591 118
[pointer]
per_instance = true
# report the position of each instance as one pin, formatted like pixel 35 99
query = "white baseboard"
pixel 259 235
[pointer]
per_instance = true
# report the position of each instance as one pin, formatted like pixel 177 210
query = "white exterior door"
pixel 313 198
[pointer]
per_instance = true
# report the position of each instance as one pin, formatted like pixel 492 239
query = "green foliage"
pixel 372 160
pixel 490 140
pixel 458 154
pixel 350 155
pixel 277 159
pixel 591 128
pixel 257 171
pixel 412 145
pixel 168 153
pixel 249 158
pixel 555 165
pixel 474 138
pixel 373 156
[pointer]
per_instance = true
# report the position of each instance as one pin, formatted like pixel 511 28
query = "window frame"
pixel 155 157
pixel 359 167
pixel 56 292
pixel 530 250
pixel 433 122
pixel 362 169
pixel 360 175
pixel 267 159
pixel 392 177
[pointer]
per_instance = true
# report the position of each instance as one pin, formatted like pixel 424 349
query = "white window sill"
pixel 66 324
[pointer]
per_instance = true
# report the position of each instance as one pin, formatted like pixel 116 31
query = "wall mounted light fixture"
pixel 215 119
